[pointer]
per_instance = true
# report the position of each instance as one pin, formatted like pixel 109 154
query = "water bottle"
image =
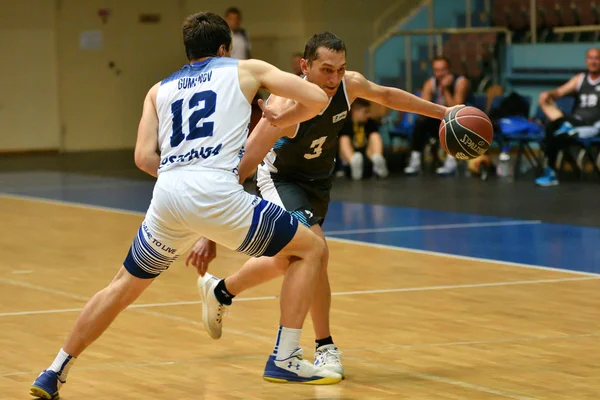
pixel 504 168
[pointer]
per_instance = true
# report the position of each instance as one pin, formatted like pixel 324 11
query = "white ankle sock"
pixel 62 364
pixel 288 341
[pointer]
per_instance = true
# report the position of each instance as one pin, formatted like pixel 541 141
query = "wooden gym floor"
pixel 412 324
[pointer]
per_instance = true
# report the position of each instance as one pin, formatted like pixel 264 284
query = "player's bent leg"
pixel 551 111
pixel 271 231
pixel 217 293
pixel 256 271
pixel 266 229
pixel 327 354
pixel 142 265
pixel 307 252
pixel 97 315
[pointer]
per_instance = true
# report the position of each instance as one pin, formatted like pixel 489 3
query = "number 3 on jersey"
pixel 207 100
pixel 317 145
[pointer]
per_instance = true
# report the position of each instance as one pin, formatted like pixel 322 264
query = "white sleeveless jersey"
pixel 203 117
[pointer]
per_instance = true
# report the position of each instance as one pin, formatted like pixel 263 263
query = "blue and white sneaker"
pixel 46 386
pixel 295 369
pixel 566 127
pixel 548 178
pixel 328 357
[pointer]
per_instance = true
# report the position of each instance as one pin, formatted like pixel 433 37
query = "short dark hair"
pixel 297 54
pixel 324 39
pixel 233 10
pixel 361 103
pixel 441 58
pixel 203 34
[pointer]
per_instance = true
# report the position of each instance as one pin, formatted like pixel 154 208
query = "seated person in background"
pixel 560 132
pixel 443 88
pixel 359 137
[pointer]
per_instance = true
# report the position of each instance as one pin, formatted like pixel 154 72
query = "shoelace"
pixel 331 355
pixel 221 312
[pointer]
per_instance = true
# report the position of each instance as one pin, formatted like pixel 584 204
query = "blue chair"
pixel 480 101
pixel 496 102
pixel 524 141
pixel 405 127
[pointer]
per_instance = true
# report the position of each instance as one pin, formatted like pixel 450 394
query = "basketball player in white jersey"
pixel 198 117
pixel 297 174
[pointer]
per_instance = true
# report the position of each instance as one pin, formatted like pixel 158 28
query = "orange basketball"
pixel 466 133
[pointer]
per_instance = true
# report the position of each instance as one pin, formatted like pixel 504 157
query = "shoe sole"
pixel 205 311
pixel 554 183
pixel 42 394
pixel 321 381
pixel 336 371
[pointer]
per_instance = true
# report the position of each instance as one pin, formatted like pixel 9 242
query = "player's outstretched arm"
pixel 310 99
pixel 146 157
pixel 359 86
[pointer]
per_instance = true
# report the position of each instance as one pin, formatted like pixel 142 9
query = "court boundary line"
pixel 44 289
pixel 330 238
pixel 436 227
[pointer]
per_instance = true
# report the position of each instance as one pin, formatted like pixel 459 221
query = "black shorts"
pixel 307 201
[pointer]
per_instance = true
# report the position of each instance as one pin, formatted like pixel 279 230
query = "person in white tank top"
pixel 198 119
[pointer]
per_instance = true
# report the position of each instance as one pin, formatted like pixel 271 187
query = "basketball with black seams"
pixel 466 133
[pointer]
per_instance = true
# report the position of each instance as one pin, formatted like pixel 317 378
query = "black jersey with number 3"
pixel 310 154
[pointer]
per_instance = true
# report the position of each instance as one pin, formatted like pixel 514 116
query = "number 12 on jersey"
pixel 208 98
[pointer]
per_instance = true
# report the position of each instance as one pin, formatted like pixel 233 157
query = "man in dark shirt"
pixel 442 88
pixel 560 131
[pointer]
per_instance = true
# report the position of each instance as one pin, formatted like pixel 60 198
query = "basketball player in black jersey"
pixel 561 130
pixel 297 172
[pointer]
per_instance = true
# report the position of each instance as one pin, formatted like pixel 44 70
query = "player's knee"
pixel 318 249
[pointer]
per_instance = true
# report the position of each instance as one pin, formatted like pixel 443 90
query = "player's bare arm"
pixel 263 137
pixel 146 156
pixel 568 88
pixel 359 86
pixel 310 99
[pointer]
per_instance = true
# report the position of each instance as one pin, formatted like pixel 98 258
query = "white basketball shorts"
pixel 188 204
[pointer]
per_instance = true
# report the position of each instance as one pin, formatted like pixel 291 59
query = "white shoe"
pixel 212 310
pixel 328 357
pixel 379 166
pixel 448 168
pixel 294 369
pixel 414 165
pixel 356 166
